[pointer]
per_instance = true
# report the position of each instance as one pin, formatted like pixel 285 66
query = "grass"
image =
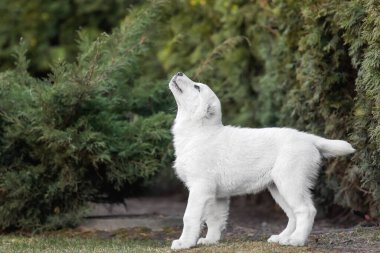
pixel 58 244
pixel 367 240
pixel 13 244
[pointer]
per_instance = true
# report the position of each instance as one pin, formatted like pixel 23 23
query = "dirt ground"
pixel 161 219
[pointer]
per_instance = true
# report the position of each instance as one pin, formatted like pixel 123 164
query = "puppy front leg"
pixel 216 213
pixel 199 195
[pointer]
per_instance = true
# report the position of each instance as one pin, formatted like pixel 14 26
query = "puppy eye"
pixel 197 87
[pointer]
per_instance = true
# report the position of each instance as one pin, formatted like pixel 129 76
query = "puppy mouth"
pixel 177 86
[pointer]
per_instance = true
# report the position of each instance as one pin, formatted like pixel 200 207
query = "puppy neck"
pixel 184 126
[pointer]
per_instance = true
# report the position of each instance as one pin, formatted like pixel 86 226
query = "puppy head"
pixel 195 101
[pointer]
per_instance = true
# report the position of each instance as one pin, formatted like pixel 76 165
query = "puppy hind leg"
pixel 307 214
pixel 294 173
pixel 289 213
pixel 216 217
pixel 300 201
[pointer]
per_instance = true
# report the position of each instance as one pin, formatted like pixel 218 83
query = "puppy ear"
pixel 210 112
pixel 204 111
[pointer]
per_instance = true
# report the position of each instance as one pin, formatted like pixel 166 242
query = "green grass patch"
pixel 58 244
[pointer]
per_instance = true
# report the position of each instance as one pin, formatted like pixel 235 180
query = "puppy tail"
pixel 332 148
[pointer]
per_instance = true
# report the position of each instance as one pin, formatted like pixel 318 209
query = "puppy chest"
pixel 182 169
pixel 180 172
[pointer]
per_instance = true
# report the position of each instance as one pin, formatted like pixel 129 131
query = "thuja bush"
pixel 88 130
pixel 336 91
pixel 311 65
pixel 50 27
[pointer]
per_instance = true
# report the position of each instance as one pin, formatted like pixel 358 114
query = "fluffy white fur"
pixel 216 162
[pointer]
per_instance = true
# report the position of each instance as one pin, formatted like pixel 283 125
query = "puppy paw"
pixel 178 244
pixel 292 241
pixel 206 241
pixel 274 238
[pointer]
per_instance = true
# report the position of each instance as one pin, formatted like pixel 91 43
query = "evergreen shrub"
pixel 50 27
pixel 88 130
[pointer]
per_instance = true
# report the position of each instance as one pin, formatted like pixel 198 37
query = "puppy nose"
pixel 179 74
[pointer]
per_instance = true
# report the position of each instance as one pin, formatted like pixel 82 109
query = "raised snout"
pixel 178 82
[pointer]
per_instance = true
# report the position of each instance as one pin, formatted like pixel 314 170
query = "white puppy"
pixel 217 162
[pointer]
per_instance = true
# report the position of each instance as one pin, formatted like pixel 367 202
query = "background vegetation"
pixel 99 119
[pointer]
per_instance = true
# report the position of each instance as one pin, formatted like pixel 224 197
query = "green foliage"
pixel 90 129
pixel 50 27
